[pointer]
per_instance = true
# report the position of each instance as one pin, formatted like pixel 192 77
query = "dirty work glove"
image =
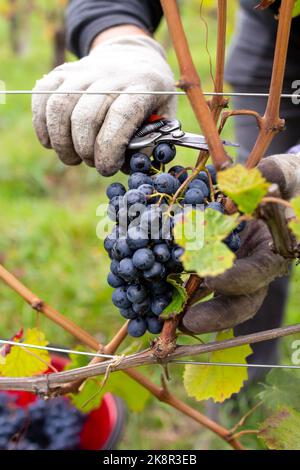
pixel 97 128
pixel 240 291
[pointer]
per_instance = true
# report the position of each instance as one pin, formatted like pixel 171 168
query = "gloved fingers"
pixel 283 170
pixel 222 312
pixel 87 119
pixel 249 274
pixel 39 103
pixel 125 116
pixel 58 115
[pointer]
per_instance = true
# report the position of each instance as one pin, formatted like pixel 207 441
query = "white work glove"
pixel 97 128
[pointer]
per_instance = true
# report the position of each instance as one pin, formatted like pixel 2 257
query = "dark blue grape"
pixel 177 253
pixel 136 293
pixel 135 196
pixel 166 183
pixel 162 252
pixel 154 325
pixel 157 271
pixel 179 172
pixel 137 327
pixel 114 281
pixel 194 196
pixel 120 299
pixel 137 179
pixel 199 184
pixel 216 206
pixel 143 259
pixel 158 304
pixel 159 287
pixel 203 177
pixel 121 250
pixel 136 238
pixel 140 162
pixel 233 242
pixel 127 271
pixel 115 189
pixel 128 313
pixel 241 227
pixel 141 308
pixel 164 153
pixel 212 171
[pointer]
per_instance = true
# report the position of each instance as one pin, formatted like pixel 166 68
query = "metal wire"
pixel 237 364
pixel 175 361
pixel 53 349
pixel 145 92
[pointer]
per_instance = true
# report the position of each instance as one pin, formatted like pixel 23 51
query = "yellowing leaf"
pixel 245 187
pixel 23 361
pixel 281 431
pixel 296 9
pixel 205 253
pixel 218 382
pixel 178 300
pixel 295 223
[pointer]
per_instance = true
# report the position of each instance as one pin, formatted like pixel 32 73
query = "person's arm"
pixel 86 19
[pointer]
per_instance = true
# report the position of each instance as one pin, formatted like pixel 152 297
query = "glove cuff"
pixel 131 40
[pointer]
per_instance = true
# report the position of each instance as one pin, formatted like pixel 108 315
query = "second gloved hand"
pixel 96 129
pixel 240 291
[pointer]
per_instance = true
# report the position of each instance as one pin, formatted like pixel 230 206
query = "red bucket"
pixel 103 428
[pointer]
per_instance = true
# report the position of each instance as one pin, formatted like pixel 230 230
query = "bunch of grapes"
pixel 141 246
pixel 43 425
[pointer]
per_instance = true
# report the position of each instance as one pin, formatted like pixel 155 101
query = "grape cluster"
pixel 141 246
pixel 43 425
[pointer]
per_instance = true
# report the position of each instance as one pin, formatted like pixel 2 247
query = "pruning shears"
pixel 159 130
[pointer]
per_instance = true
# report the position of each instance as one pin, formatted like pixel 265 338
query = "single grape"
pixel 194 196
pixel 136 238
pixel 202 175
pixel 135 196
pixel 137 179
pixel 136 293
pixel 128 313
pixel 120 299
pixel 114 281
pixel 233 242
pixel 154 324
pixel 164 153
pixel 143 259
pixel 179 172
pixel 159 287
pixel 240 227
pixel 158 304
pixel 216 206
pixel 141 308
pixel 166 183
pixel 140 162
pixel 157 271
pixel 114 190
pixel 121 250
pixel 127 271
pixel 137 327
pixel 212 171
pixel 177 253
pixel 161 252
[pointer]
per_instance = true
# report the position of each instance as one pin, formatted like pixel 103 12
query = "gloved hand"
pixel 97 128
pixel 240 291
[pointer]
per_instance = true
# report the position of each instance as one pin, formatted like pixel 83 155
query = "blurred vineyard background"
pixel 48 211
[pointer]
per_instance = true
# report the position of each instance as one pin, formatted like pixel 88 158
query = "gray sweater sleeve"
pixel 85 19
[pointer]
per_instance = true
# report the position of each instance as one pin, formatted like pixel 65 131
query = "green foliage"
pixel 296 10
pixel 179 298
pixel 118 383
pixel 218 382
pixel 201 235
pixel 245 187
pixel 295 223
pixel 281 431
pixel 281 388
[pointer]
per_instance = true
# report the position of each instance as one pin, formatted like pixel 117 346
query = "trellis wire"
pixel 174 361
pixel 142 92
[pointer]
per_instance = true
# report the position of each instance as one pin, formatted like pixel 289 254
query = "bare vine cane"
pixel 42 384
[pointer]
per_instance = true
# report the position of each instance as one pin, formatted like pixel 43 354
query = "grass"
pixel 48 222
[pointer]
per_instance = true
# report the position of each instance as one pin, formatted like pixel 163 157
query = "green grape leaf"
pixel 295 223
pixel 281 431
pixel 119 384
pixel 296 9
pixel 179 298
pixel 218 382
pixel 281 388
pixel 245 187
pixel 25 361
pixel 201 235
